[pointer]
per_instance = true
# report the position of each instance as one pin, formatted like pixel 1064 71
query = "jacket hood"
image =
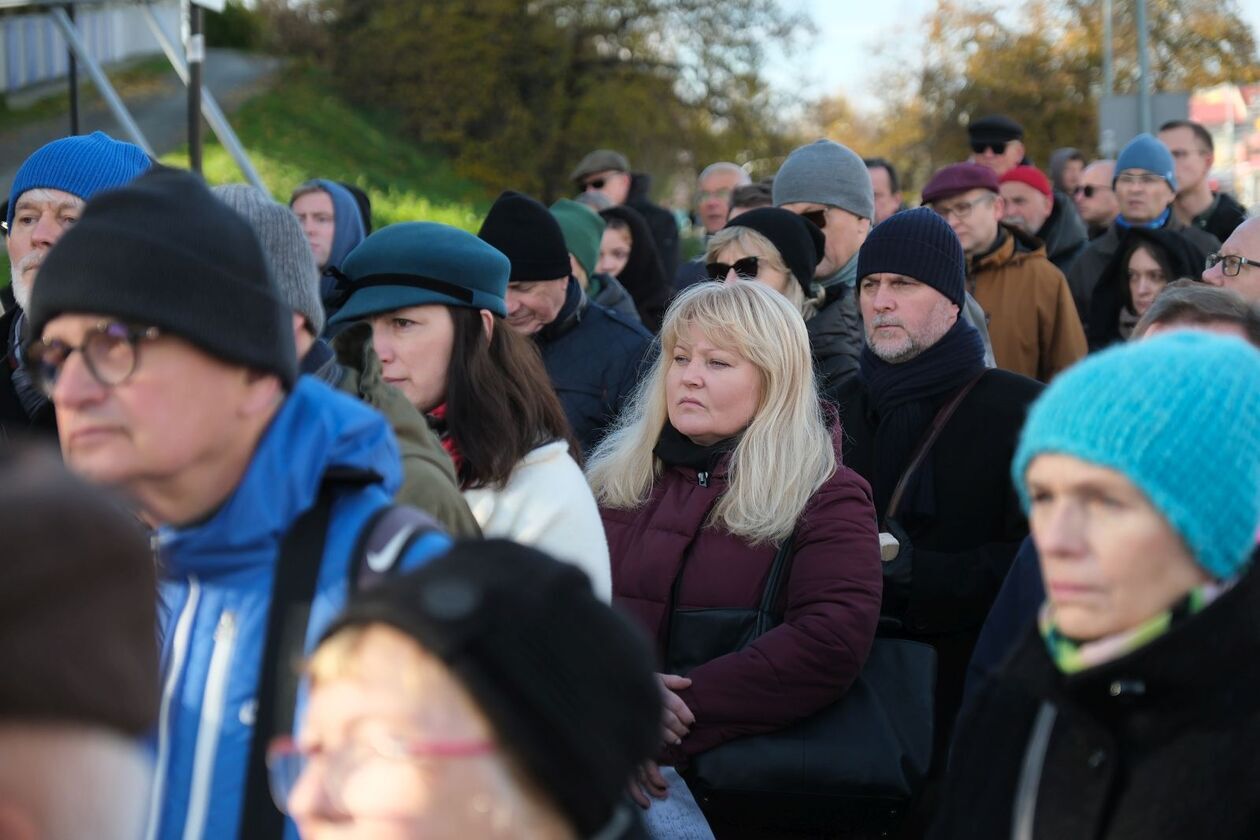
pixel 315 430
pixel 348 230
pixel 1063 231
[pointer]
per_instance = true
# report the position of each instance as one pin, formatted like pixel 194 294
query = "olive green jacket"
pixel 428 473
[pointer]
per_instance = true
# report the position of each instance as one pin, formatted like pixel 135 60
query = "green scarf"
pixel 1072 656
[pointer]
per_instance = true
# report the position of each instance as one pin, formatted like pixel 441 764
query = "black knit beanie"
pixel 798 240
pixel 566 682
pixel 164 252
pixel 524 230
pixel 916 243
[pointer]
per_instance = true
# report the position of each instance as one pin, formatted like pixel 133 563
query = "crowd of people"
pixel 869 520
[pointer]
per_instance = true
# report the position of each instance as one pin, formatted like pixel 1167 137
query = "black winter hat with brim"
pixel 798 240
pixel 524 229
pixel 164 252
pixel 566 682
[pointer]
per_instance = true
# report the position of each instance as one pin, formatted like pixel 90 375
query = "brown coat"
pixel 1032 319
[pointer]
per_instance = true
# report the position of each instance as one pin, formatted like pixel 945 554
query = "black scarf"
pixel 905 397
pixel 677 450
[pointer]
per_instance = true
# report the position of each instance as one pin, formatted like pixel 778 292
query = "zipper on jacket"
pixel 212 704
pixel 703 478
pixel 1025 812
pixel 179 653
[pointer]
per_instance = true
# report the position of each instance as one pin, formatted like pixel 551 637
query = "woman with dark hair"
pixel 435 298
pixel 628 253
pixel 1147 261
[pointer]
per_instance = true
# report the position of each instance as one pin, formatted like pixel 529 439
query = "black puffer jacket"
pixel 1064 233
pixel 662 222
pixel 835 336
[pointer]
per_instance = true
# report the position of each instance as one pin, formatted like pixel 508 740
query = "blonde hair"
pixel 784 455
pixel 753 242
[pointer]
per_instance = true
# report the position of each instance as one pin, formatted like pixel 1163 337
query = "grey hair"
pixel 1192 302
pixel 727 166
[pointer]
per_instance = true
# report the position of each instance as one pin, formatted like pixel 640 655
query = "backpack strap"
pixel 297 570
pixel 384 543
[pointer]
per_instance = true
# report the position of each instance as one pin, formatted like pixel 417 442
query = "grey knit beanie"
pixel 824 172
pixel 284 244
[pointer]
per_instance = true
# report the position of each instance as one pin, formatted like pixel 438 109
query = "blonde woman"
pixel 724 453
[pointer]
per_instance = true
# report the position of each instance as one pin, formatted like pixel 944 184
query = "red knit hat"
pixel 1030 175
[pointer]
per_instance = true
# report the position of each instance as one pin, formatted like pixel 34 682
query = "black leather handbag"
pixel 872 746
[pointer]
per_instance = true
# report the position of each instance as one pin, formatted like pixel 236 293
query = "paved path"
pixel 161 114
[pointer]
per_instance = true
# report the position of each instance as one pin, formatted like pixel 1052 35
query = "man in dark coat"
pixel 592 354
pixel 47 197
pixel 1196 205
pixel 1041 211
pixel 608 173
pixel 959 522
pixel 1145 185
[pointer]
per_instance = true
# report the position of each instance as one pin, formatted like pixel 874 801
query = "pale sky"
pixel 844 55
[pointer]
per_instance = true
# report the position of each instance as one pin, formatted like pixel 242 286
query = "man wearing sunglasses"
pixel 46 200
pixel 159 334
pixel 607 172
pixel 1145 184
pixel 1095 199
pixel 996 142
pixel 1236 265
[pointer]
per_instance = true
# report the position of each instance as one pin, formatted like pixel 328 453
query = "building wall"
pixel 32 49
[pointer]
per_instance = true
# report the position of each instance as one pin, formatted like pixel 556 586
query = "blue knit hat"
pixel 79 165
pixel 920 244
pixel 420 263
pixel 1146 152
pixel 1179 416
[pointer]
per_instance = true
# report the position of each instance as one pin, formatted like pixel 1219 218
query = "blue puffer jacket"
pixel 593 356
pixel 215 592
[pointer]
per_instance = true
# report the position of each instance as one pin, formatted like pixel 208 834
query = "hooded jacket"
pixel 662 222
pixel 1090 265
pixel 215 591
pixel 1063 233
pixel 1032 322
pixel 348 232
pixel 592 356
pixel 644 276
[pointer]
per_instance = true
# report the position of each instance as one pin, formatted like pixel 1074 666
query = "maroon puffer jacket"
pixel 833 598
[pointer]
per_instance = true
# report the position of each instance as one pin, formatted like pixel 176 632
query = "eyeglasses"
pixel 286 762
pixel 724 194
pixel 1232 263
pixel 1146 179
pixel 998 147
pixel 1088 190
pixel 743 267
pixel 110 351
pixel 962 209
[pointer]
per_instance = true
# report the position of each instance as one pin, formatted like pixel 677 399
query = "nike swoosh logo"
pixel 383 560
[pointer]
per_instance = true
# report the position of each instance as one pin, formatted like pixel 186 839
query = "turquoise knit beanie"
pixel 1179 416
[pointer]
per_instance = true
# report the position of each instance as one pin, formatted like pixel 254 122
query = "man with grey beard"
pixel 47 197
pixel 957 521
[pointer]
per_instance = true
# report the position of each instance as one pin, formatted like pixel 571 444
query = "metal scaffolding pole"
pixel 1144 70
pixel 71 34
pixel 209 107
pixel 72 73
pixel 196 55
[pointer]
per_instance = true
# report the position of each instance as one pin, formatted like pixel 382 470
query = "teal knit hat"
pixel 583 231
pixel 421 263
pixel 1179 416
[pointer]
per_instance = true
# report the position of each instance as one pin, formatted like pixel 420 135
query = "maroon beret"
pixel 959 178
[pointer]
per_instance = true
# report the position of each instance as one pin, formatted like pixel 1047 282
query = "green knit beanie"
pixel 583 231
pixel 1179 416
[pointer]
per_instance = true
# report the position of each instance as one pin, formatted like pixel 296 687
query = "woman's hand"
pixel 648 782
pixel 676 719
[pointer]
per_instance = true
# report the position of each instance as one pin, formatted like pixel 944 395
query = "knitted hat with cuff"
pixel 79 165
pixel 824 172
pixel 1179 416
pixel 1147 153
pixel 916 243
pixel 527 234
pixel 164 252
